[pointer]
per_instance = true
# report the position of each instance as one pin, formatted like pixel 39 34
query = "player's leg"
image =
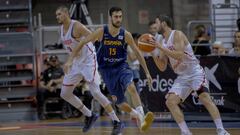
pixel 172 103
pixel 178 93
pixel 126 83
pixel 96 93
pixel 69 83
pixel 206 100
pixel 200 85
pixel 145 120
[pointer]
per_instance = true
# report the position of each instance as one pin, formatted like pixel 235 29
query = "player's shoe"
pixel 148 120
pixel 145 122
pixel 222 132
pixel 117 128
pixel 186 133
pixel 89 121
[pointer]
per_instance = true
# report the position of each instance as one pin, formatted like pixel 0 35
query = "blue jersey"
pixel 112 51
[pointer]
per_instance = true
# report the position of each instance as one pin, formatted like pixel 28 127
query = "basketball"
pixel 144 43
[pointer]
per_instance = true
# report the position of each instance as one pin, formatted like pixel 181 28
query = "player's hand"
pixel 67 66
pixel 152 41
pixel 158 45
pixel 149 79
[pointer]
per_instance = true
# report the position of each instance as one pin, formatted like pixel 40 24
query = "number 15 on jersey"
pixel 112 51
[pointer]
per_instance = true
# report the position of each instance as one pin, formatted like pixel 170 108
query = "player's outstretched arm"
pixel 130 41
pixel 91 37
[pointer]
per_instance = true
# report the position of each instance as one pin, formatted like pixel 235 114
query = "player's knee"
pixel 132 89
pixel 170 102
pixel 202 91
pixel 65 94
pixel 205 98
pixel 100 98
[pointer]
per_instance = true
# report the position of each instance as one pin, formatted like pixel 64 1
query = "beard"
pixel 59 22
pixel 161 31
pixel 116 26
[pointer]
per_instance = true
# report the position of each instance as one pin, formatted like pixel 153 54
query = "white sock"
pixel 140 110
pixel 113 116
pixel 183 126
pixel 85 111
pixel 218 123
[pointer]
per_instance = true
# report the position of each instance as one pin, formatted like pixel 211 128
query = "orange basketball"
pixel 144 43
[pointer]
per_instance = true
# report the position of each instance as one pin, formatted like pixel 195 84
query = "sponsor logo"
pixel 218 100
pixel 112 59
pixel 120 37
pixel 110 42
pixel 67 42
pixel 158 84
pixel 211 77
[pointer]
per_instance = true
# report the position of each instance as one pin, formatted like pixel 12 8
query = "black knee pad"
pixel 201 90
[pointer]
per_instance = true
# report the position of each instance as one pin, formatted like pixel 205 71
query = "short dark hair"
pixel 114 9
pixel 63 8
pixel 166 19
pixel 151 23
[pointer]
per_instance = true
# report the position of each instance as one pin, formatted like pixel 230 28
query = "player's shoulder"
pixel 178 32
pixel 78 25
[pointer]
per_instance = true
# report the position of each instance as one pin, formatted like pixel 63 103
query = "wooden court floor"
pixel 102 127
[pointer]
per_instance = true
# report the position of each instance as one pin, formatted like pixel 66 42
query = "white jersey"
pixel 191 76
pixel 85 64
pixel 188 64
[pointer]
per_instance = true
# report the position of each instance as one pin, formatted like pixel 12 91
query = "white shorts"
pixel 84 67
pixel 184 84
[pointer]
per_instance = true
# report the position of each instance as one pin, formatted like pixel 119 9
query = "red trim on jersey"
pixel 188 54
pixel 94 72
pixel 202 81
pixel 94 57
pixel 90 49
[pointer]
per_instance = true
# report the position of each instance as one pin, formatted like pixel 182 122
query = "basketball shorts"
pixel 184 85
pixel 84 67
pixel 117 80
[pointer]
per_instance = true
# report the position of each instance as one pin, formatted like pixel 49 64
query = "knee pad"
pixel 201 90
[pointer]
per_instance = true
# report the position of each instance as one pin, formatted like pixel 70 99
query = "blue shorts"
pixel 117 80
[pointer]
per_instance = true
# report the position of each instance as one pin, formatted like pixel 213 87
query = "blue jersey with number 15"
pixel 112 51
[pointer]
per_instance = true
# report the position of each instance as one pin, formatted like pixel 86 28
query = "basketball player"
pixel 84 67
pixel 176 49
pixel 112 57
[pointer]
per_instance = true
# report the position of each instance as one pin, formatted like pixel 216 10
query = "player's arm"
pixel 80 30
pixel 131 55
pixel 179 45
pixel 130 41
pixel 91 37
pixel 160 61
pixel 160 58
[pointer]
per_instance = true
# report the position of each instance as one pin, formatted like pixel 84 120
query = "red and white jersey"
pixel 188 65
pixel 68 41
pixel 85 63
